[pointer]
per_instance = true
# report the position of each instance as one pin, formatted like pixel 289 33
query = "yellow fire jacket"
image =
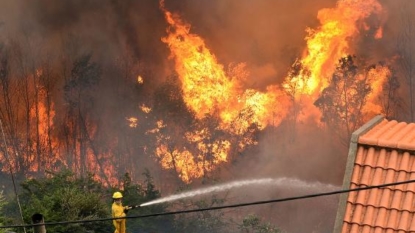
pixel 118 211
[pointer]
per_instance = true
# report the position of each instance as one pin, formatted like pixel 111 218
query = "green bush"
pixel 63 197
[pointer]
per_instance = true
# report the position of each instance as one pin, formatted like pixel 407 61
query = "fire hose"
pixel 130 207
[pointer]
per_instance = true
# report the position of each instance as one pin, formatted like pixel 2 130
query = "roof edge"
pixel 365 128
pixel 351 156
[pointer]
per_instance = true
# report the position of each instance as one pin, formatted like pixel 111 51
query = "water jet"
pixel 282 181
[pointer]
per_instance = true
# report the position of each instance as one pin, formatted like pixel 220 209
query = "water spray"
pixel 236 184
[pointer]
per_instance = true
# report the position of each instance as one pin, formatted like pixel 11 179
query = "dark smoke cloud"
pixel 60 15
pixel 104 26
pixel 398 14
pixel 266 34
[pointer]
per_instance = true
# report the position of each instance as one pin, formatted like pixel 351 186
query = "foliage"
pixel 352 95
pixel 3 202
pixel 341 103
pixel 63 197
pixel 253 224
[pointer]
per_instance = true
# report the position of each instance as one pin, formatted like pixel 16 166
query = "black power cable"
pixel 218 207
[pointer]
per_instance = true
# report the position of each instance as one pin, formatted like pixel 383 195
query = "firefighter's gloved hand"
pixel 126 209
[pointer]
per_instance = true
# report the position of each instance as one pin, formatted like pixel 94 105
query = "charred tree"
pixel 78 91
pixel 23 72
pixel 390 100
pixel 342 101
pixel 295 84
pixel 172 119
pixel 355 93
pixel 11 108
pixel 48 80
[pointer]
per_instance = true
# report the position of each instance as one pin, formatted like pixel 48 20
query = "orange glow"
pixel 205 85
pixel 216 149
pixel 133 122
pixel 140 79
pixel 377 77
pixel 208 89
pixel 145 108
pixel 182 162
pixel 331 41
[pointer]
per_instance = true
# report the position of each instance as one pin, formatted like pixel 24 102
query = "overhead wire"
pixel 217 207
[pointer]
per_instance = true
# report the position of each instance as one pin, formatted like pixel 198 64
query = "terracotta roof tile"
pixel 371 138
pixel 348 215
pixel 353 195
pixel 381 217
pixel 384 201
pixel 396 200
pixel 408 202
pixel 377 177
pixel 366 229
pixel 404 222
pixel 412 227
pixel 408 142
pixel 356 175
pixel 391 134
pixel 374 197
pixel 389 138
pixel 393 217
pixel 385 153
pixel 354 228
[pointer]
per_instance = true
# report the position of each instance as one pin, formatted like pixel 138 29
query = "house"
pixel 382 151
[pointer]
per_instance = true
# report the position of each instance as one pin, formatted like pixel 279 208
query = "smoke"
pixel 267 35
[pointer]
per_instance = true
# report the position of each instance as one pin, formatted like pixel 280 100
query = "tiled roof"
pixel 381 152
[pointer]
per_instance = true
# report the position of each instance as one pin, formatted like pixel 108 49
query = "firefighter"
pixel 118 210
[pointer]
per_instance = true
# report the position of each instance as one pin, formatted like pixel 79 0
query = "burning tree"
pixel 295 85
pixel 173 118
pixel 352 96
pixel 77 128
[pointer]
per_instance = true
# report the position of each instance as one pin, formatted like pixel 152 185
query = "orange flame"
pixel 377 76
pixel 208 89
pixel 133 122
pixel 206 86
pixel 327 44
pixel 140 79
